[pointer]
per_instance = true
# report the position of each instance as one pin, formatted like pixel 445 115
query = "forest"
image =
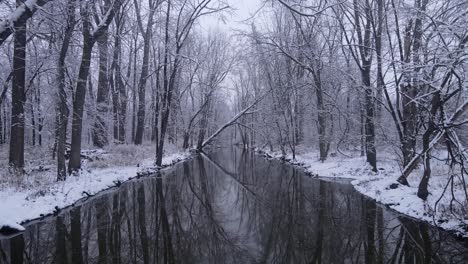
pixel 371 90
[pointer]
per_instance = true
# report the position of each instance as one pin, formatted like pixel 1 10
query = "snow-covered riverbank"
pixel 444 207
pixel 39 194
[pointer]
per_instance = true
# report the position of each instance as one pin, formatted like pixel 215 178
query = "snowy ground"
pixel 448 210
pixel 38 193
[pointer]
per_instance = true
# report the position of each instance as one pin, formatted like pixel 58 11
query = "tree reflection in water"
pixel 231 207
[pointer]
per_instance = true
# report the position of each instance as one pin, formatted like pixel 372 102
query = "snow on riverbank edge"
pixel 20 205
pixel 384 189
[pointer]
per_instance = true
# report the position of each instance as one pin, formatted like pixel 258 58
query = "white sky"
pixel 235 19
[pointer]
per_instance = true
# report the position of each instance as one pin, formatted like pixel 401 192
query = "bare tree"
pixel 18 95
pixel 62 105
pixel 187 15
pixel 359 15
pixel 89 38
pixel 147 35
pixel 118 87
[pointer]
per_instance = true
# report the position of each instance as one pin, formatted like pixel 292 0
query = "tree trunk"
pixel 422 189
pixel 378 51
pixel 1 126
pixel 40 117
pixel 185 144
pixel 119 92
pixel 123 101
pixel 80 92
pixel 33 122
pixel 78 106
pixel 18 97
pixel 134 92
pixel 168 83
pixel 371 153
pixel 100 133
pixel 412 86
pixel 322 121
pixel 144 77
pixel 115 105
pixel 203 126
pixel 62 105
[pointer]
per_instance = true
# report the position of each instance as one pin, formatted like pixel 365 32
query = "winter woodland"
pixel 372 90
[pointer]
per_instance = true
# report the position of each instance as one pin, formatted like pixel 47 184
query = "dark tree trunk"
pixel 80 92
pixel 378 51
pixel 62 105
pixel 144 77
pixel 123 100
pixel 169 78
pixel 78 106
pixel 18 97
pixel 5 124
pixel 33 123
pixel 119 93
pixel 412 87
pixel 115 105
pixel 157 105
pixel 409 123
pixel 423 192
pixel 1 126
pixel 203 127
pixel 362 130
pixel 362 17
pixel 366 57
pixel 40 117
pixel 134 89
pixel 371 153
pixel 100 138
pixel 322 120
pixel 185 143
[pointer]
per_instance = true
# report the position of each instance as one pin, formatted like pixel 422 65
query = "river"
pixel 231 206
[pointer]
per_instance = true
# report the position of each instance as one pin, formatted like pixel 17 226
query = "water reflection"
pixel 231 207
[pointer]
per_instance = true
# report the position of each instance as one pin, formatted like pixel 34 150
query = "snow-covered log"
pixel 21 14
pixel 230 122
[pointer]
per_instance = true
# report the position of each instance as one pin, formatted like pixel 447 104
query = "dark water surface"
pixel 231 207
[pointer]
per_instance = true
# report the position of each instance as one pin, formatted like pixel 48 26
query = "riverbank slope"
pixel 37 193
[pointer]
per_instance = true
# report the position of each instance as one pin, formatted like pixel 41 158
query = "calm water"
pixel 231 207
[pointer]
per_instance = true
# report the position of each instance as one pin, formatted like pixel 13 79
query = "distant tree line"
pixel 376 76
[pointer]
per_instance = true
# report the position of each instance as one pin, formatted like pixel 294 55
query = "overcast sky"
pixel 242 10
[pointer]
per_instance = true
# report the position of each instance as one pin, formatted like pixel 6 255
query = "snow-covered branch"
pixel 231 122
pixel 19 17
